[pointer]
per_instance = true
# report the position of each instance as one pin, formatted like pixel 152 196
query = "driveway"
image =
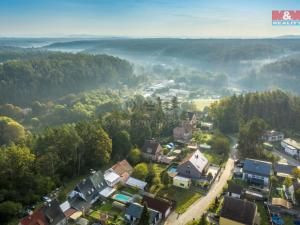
pixel 196 210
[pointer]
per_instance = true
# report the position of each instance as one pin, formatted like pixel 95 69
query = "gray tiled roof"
pixel 53 213
pixel 258 167
pixel 283 168
pixel 135 210
pixel 238 210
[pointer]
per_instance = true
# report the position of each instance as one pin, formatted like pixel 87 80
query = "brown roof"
pixel 37 218
pixel 69 212
pixel 241 211
pixel 122 168
pixel 281 202
pixel 157 204
pixel 151 147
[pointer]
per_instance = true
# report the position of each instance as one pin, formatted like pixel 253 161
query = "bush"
pixel 140 171
pixel 135 156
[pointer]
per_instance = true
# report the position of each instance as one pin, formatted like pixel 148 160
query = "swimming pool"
pixel 172 170
pixel 122 198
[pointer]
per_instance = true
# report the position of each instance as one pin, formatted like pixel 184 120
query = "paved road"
pixel 286 158
pixel 199 207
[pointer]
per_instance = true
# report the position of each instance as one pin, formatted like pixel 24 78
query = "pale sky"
pixel 144 18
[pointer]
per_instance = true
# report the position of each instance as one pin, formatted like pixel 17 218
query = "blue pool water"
pixel 172 170
pixel 122 198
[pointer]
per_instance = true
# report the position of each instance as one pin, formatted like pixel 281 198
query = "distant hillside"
pixel 51 75
pixel 212 51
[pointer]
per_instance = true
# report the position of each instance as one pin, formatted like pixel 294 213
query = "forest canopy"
pixel 53 75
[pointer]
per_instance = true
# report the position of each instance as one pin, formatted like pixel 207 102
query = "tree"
pixel 296 173
pixel 203 220
pixel 287 182
pixel 96 145
pixel 165 178
pixel 135 156
pixel 145 217
pixel 10 130
pixel 8 210
pixel 121 144
pixel 151 174
pixel 250 141
pixel 140 171
pixel 221 144
pixel 297 196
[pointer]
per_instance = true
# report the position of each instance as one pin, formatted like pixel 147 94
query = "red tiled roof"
pixel 123 168
pixel 37 218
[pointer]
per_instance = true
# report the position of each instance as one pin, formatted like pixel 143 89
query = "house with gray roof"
pixel 53 214
pixel 134 211
pixel 284 170
pixel 257 172
pixel 152 150
pixel 87 192
pixel 193 166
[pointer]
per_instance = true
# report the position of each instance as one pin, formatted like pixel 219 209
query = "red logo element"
pixel 286 15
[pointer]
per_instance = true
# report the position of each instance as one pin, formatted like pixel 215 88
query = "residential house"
pixel 152 150
pixel 84 195
pixel 272 136
pixel 291 147
pixel 237 212
pixel 183 133
pixel 234 190
pixel 111 178
pixel 193 166
pixel 34 218
pixel 134 211
pixel 257 171
pixel 281 203
pixel 284 170
pixel 291 191
pixel 182 182
pixel 206 126
pixel 136 183
pixel 67 209
pixel 160 205
pixel 53 214
pixel 123 169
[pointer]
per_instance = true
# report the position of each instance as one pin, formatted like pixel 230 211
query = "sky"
pixel 144 18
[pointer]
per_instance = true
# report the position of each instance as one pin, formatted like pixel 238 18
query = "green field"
pixel 184 198
pixel 201 103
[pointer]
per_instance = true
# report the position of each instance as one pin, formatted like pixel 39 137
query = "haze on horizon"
pixel 143 18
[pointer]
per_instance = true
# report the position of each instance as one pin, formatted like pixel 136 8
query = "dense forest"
pixel 34 164
pixel 283 73
pixel 55 74
pixel 278 109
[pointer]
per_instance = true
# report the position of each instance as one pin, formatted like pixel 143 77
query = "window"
pixel 188 172
pixel 181 184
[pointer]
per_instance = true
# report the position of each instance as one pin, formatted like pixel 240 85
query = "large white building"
pixel 291 147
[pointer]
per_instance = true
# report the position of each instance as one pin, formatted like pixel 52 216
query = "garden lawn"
pixel 214 158
pixel 158 169
pixel 107 208
pixel 184 198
